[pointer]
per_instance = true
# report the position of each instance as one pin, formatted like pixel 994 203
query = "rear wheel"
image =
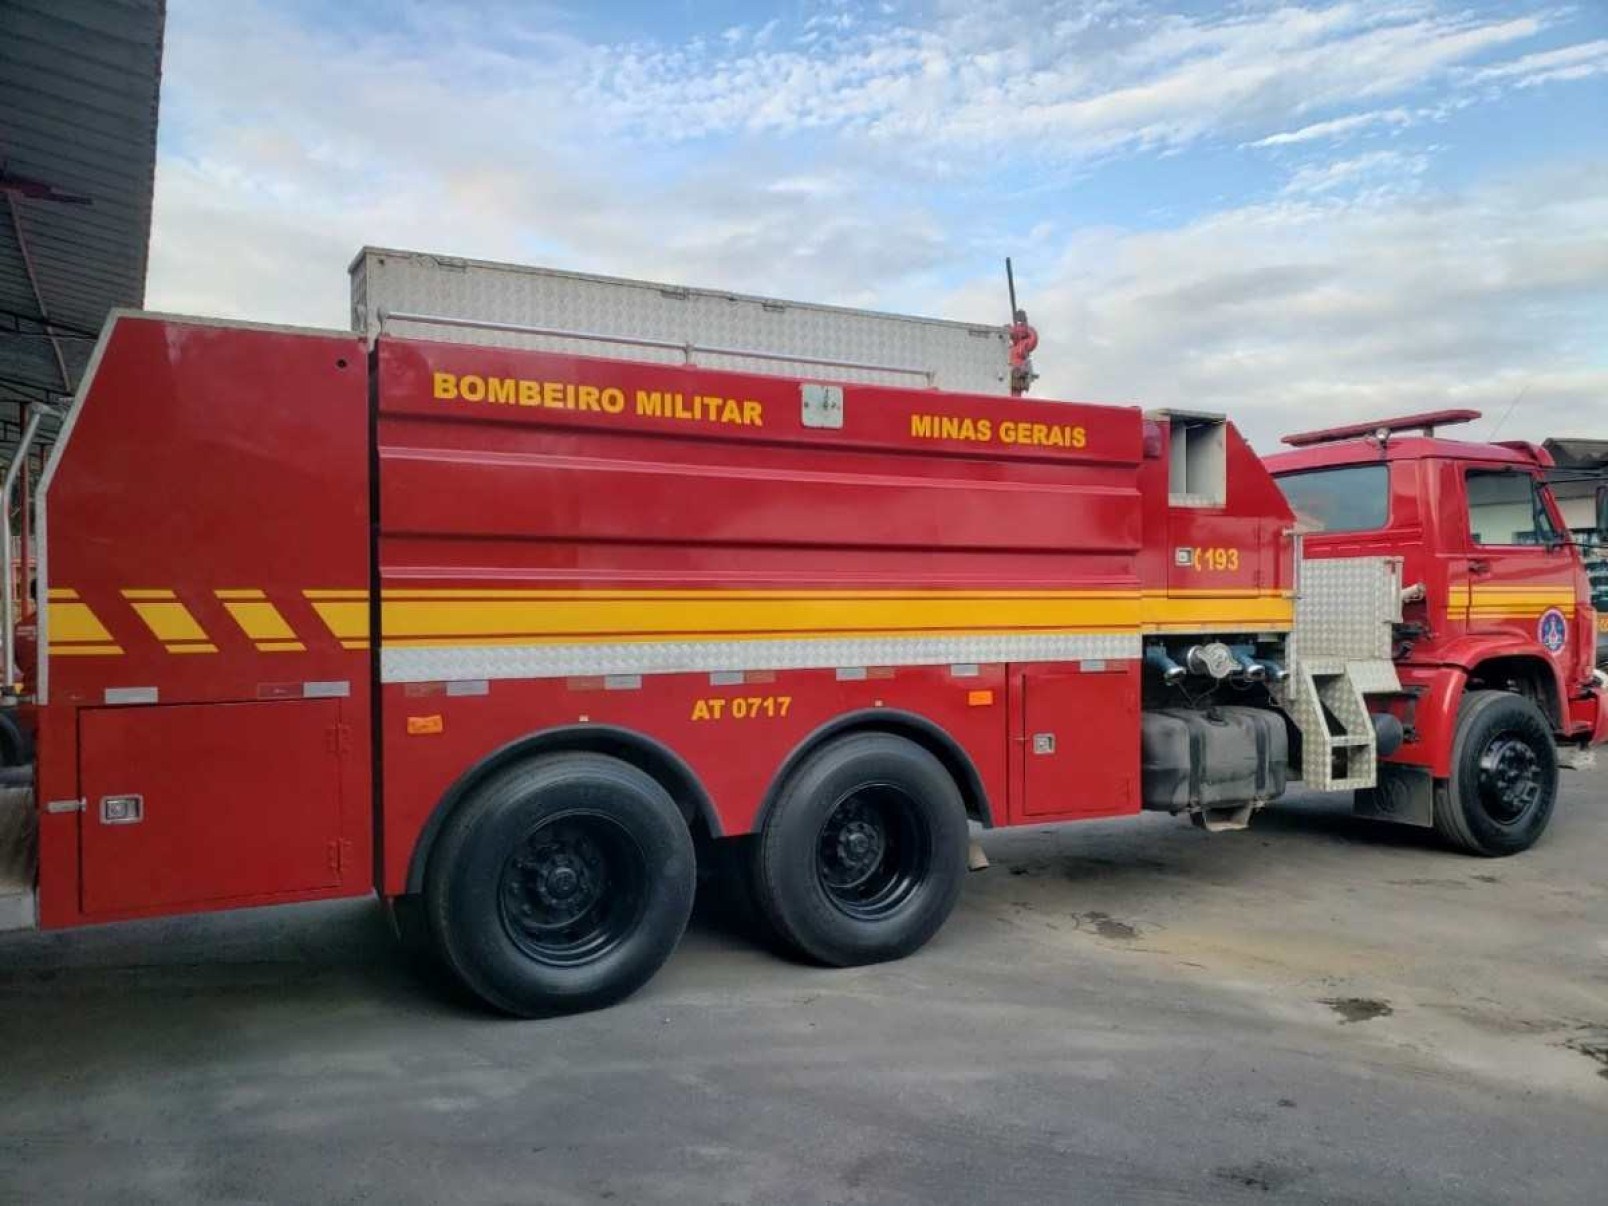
pixel 1504 781
pixel 863 856
pixel 561 885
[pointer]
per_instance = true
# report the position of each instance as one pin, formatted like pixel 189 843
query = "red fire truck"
pixel 1497 634
pixel 521 639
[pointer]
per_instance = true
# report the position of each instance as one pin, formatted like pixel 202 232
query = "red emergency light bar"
pixel 1425 422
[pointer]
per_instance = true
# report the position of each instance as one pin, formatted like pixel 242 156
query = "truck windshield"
pixel 1352 498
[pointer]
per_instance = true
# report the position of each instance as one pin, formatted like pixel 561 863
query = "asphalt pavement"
pixel 1320 1009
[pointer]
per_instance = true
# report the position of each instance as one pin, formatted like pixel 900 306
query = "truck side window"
pixel 1502 509
pixel 1352 498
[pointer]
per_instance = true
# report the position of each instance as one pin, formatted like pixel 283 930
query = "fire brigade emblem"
pixel 1551 630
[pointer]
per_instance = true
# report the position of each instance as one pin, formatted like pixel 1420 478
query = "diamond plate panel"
pixel 1345 606
pixel 1340 652
pixel 438 663
pixel 959 356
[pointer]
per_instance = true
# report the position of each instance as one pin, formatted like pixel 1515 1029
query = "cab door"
pixel 1517 575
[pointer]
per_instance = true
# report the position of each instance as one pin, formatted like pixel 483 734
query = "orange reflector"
pixel 420 725
pixel 979 699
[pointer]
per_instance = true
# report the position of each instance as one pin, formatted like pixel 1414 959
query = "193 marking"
pixel 1216 559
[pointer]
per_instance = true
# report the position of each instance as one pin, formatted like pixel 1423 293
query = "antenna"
pixel 1010 284
pixel 1509 410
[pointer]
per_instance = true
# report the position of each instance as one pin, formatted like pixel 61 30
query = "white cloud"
pixel 1575 62
pixel 1069 79
pixel 1336 128
pixel 1280 312
pixel 863 168
pixel 1379 168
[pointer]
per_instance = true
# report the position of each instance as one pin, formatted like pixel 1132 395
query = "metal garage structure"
pixel 79 82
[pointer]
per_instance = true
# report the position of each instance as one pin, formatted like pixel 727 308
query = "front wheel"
pixel 1504 780
pixel 862 858
pixel 562 884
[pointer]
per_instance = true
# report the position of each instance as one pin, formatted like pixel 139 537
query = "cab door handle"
pixel 1479 567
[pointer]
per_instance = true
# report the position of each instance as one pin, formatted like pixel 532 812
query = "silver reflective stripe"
pixel 422 664
pixel 469 686
pixel 58 806
pixel 330 690
pixel 130 695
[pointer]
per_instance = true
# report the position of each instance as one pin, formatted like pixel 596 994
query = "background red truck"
pixel 520 639
pixel 1497 637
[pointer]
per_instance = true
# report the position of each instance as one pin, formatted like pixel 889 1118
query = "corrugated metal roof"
pixel 79 85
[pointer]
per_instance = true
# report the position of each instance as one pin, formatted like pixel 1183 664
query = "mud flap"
pixel 1405 795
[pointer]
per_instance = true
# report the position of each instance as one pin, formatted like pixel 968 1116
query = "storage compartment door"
pixel 1080 740
pixel 209 805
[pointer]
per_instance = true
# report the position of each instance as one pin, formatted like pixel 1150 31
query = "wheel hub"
pixel 859 846
pixel 571 889
pixel 1510 778
pixel 872 851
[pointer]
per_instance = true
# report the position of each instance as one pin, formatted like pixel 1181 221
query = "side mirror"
pixel 1602 514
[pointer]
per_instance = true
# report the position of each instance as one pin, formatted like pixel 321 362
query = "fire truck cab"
pixel 1496 641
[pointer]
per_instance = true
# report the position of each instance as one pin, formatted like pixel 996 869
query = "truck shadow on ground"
pixel 344 955
pixel 1333 818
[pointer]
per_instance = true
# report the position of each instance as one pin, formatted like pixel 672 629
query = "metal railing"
pixel 8 584
pixel 688 350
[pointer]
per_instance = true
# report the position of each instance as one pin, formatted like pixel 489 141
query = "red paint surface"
pixel 215 457
pixel 242 801
pixel 204 457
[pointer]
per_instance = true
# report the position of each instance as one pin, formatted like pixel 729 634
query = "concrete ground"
pixel 1317 1010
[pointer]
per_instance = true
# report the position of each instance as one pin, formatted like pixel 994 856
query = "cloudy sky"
pixel 1296 213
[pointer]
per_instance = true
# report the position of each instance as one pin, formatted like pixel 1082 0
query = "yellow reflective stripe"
pixel 714 613
pixel 169 621
pixel 663 615
pixel 259 619
pixel 74 622
pixel 150 593
pixel 83 650
pixel 344 620
pixel 281 647
pixel 196 647
pixel 408 595
pixel 1196 614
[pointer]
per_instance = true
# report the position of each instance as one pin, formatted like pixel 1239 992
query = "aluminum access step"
pixel 1340 652
pixel 17 859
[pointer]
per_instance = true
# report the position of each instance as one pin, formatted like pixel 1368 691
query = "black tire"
pixel 561 885
pixel 16 745
pixel 862 857
pixel 1504 780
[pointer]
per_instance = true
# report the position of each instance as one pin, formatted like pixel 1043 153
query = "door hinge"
pixel 335 857
pixel 338 738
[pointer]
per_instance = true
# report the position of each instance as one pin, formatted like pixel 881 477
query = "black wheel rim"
pixel 1511 780
pixel 572 889
pixel 874 851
